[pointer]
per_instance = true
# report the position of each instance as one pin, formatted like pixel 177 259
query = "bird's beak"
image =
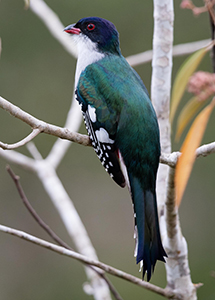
pixel 72 30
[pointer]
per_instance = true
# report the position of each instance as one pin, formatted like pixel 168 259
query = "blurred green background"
pixel 37 75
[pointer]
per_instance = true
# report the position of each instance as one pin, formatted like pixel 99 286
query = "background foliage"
pixel 37 75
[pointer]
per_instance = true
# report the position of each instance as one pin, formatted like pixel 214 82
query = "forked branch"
pixel 50 232
pixel 40 126
pixel 86 260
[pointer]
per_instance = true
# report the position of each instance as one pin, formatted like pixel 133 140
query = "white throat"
pixel 87 54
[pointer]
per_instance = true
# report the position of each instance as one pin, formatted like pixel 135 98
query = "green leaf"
pixel 183 75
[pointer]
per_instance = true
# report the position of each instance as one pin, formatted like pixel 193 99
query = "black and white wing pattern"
pixel 102 142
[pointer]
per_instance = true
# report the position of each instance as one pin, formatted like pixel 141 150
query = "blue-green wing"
pixel 113 99
pixel 101 121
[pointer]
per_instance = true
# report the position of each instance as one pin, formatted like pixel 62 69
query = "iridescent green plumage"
pixel 126 113
pixel 123 127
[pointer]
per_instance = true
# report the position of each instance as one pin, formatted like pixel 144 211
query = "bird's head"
pixel 102 33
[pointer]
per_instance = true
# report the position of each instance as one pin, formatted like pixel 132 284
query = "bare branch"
pixel 50 232
pixel 171 210
pixel 23 142
pixel 51 20
pixel 160 88
pixel 73 122
pixel 67 211
pixel 74 118
pixel 205 150
pixel 177 268
pixel 169 159
pixel 89 261
pixel 177 262
pixel 43 126
pixel 178 50
pixel 18 159
pixel 110 285
pixel 32 211
pixel 172 158
pixel 34 151
pixel 53 23
pixel 41 167
pixel 64 133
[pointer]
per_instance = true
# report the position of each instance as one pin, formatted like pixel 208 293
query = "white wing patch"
pixel 124 171
pixel 136 245
pixel 92 113
pixel 136 240
pixel 103 145
pixel 103 136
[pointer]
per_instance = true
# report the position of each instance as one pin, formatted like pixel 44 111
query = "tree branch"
pixel 42 126
pixel 74 117
pixel 73 122
pixel 160 91
pixel 23 142
pixel 63 133
pixel 19 159
pixel 53 23
pixel 63 203
pixel 177 268
pixel 86 260
pixel 32 149
pixel 178 50
pixel 172 158
pixel 44 167
pixel 177 264
pixel 41 167
pixel 66 209
pixel 171 213
pixel 32 211
pixel 50 232
pixel 205 150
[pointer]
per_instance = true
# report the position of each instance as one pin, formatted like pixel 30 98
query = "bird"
pixel 122 126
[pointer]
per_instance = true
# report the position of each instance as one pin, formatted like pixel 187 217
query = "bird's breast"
pixel 87 55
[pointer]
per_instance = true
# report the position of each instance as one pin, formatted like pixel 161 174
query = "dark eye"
pixel 91 26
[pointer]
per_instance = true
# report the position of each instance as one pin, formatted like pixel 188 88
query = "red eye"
pixel 91 26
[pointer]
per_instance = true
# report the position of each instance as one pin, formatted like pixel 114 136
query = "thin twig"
pixel 43 126
pixel 34 151
pixel 50 232
pixel 32 211
pixel 178 50
pixel 23 142
pixel 53 23
pixel 111 270
pixel 172 158
pixel 168 159
pixel 19 159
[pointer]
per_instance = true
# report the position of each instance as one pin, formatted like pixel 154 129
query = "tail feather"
pixel 149 245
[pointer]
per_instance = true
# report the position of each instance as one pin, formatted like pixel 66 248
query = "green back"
pixel 124 109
